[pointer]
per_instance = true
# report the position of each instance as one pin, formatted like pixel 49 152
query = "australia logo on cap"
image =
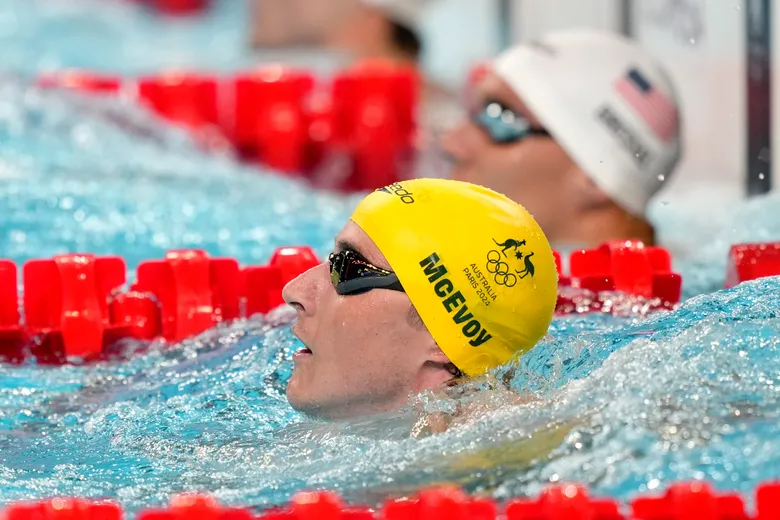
pixel 500 269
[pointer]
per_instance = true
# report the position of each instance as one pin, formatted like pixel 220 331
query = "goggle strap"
pixel 389 281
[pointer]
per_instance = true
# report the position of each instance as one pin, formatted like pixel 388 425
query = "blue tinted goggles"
pixel 503 124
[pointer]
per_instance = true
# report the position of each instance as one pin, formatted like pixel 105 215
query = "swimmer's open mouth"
pixel 305 350
pixel 304 353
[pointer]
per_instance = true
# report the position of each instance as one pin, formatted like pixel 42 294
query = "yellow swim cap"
pixel 475 264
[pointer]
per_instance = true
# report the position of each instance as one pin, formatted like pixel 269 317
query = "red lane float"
pixel 285 118
pixel 137 313
pixel 440 503
pixel 374 109
pixel 563 502
pixel 184 507
pixel 269 120
pixel 681 501
pixel 66 302
pixel 189 99
pixel 12 335
pixel 65 509
pixel 76 305
pixel 195 292
pixel 752 261
pixel 695 500
pixel 628 267
pixel 263 288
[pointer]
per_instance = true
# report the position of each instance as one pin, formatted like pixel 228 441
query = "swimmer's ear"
pixel 438 359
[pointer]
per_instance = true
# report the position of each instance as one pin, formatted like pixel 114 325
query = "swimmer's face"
pixel 533 170
pixel 365 352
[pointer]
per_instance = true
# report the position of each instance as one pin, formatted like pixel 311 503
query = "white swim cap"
pixel 404 12
pixel 608 104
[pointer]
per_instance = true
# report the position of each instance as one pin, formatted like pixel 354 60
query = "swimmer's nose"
pixel 293 296
pixel 303 292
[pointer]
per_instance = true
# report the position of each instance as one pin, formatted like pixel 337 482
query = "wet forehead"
pixel 353 238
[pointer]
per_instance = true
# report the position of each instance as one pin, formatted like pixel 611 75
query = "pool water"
pixel 624 404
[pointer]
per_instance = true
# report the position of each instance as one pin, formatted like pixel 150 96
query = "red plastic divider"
pixel 768 501
pixel 626 266
pixel 12 334
pixel 182 283
pixel 189 99
pixel 9 296
pixel 73 307
pixel 694 500
pixel 138 314
pixel 374 105
pixel 269 117
pixel 441 503
pixel 567 502
pixel 68 296
pixel 682 501
pixel 285 118
pixel 226 288
pixel 752 261
pixel 65 509
pixel 186 507
pixel 73 304
pixel 263 286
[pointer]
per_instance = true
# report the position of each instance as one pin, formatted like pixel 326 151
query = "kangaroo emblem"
pixel 529 267
pixel 508 244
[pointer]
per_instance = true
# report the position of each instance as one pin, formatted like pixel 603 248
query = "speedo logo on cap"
pixel 453 299
pixel 399 191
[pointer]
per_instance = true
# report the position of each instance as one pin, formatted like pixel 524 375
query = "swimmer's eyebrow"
pixel 345 245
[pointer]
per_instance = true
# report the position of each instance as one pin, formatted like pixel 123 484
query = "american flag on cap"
pixel 652 106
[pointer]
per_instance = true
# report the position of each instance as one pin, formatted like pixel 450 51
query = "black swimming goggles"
pixel 352 274
pixel 504 125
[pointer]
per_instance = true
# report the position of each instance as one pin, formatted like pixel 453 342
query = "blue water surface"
pixel 625 404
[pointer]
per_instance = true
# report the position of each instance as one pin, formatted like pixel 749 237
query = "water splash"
pixel 616 403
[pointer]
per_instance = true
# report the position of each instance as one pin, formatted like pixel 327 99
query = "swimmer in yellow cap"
pixel 430 280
